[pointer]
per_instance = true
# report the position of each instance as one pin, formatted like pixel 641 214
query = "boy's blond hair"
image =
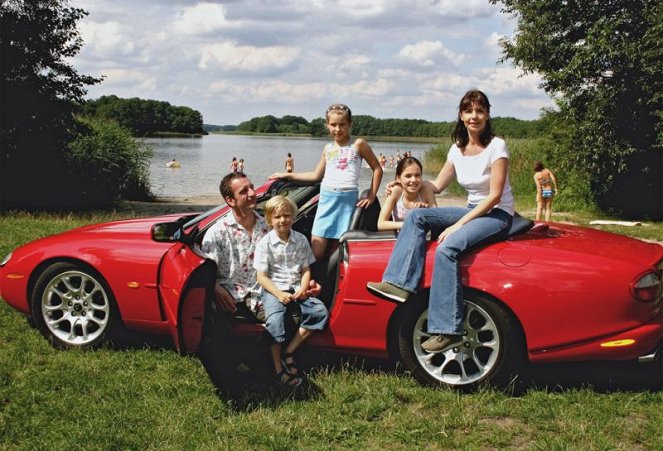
pixel 278 203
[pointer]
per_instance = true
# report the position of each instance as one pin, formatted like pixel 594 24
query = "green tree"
pixel 109 161
pixel 39 90
pixel 602 61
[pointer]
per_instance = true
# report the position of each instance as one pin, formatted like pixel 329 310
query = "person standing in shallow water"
pixel 234 165
pixel 479 162
pixel 546 188
pixel 289 164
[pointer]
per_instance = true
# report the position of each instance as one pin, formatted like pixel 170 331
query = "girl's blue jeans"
pixel 446 309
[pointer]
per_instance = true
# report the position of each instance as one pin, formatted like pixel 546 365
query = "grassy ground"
pixel 140 394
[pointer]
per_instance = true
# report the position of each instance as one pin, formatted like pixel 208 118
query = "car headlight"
pixel 6 259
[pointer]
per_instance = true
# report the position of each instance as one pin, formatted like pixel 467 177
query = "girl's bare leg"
pixel 319 246
pixel 539 209
pixel 549 209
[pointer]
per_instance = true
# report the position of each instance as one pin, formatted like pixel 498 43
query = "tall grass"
pixel 523 154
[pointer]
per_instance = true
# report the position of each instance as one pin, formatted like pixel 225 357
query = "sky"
pixel 235 60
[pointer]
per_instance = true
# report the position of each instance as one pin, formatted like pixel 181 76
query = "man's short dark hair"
pixel 226 182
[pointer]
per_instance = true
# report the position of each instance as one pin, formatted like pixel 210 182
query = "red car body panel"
pixel 568 287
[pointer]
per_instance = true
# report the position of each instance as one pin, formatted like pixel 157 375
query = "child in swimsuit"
pixel 339 169
pixel 546 188
pixel 234 164
pixel 410 193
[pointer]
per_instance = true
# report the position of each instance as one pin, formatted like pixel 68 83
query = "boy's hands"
pixel 285 298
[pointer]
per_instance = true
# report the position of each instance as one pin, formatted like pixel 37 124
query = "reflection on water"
pixel 203 161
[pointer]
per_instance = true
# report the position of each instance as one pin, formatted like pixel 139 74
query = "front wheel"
pixel 72 306
pixel 492 351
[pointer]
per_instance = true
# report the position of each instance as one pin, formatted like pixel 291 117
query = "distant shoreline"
pixel 405 139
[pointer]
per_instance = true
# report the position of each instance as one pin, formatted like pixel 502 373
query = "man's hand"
pixel 224 300
pixel 314 289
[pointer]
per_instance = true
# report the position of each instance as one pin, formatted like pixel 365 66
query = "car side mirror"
pixel 167 232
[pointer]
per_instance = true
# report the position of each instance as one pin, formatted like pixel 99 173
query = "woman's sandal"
pixel 288 380
pixel 290 366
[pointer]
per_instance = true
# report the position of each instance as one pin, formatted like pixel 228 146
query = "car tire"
pixel 492 352
pixel 72 306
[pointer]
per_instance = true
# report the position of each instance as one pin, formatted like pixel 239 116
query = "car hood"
pixel 578 240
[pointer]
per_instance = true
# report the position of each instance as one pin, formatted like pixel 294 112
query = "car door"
pixel 186 282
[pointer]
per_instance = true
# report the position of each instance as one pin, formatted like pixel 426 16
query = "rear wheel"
pixel 72 306
pixel 492 351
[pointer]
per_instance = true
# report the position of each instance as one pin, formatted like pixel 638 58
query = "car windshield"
pixel 302 193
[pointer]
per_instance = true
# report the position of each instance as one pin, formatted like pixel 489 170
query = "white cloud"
pixel 503 80
pixel 467 9
pixel 268 91
pixel 428 53
pixel 201 19
pixel 104 39
pixel 492 45
pixel 134 79
pixel 229 56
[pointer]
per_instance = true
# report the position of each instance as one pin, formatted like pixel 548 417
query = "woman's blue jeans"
pixel 446 309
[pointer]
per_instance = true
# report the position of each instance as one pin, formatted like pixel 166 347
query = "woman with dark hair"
pixel 546 188
pixel 479 162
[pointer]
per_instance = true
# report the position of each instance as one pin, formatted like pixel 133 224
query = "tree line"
pixel 145 117
pixel 364 125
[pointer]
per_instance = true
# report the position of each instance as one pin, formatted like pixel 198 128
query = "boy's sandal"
pixel 288 380
pixel 290 366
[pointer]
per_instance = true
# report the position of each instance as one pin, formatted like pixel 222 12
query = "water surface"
pixel 204 161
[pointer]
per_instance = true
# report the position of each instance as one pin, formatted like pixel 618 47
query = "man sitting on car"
pixel 231 243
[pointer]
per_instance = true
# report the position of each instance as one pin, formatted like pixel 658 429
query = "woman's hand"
pixel 279 175
pixel 420 205
pixel 390 186
pixel 448 231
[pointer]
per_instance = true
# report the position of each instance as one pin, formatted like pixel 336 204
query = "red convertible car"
pixel 548 293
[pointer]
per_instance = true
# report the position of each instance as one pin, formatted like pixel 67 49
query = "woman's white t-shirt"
pixel 473 173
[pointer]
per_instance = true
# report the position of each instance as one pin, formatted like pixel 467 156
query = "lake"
pixel 204 161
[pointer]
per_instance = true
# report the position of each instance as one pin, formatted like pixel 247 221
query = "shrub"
pixel 109 163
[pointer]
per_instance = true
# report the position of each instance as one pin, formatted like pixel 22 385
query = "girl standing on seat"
pixel 408 194
pixel 339 169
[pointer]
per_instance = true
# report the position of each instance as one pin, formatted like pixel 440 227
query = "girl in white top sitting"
pixel 338 169
pixel 478 160
pixel 409 193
